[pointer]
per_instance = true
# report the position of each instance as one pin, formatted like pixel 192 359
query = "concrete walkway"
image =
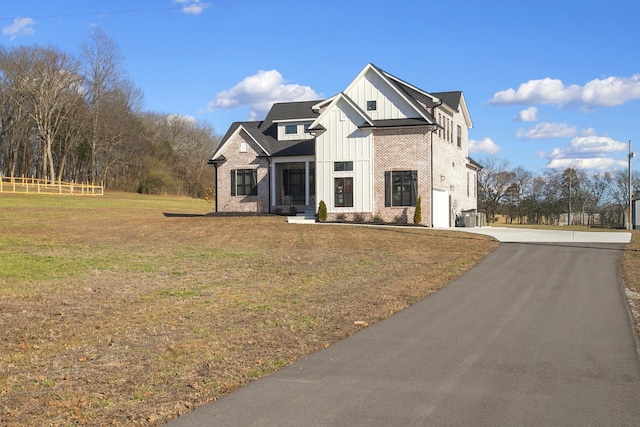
pixel 528 235
pixel 536 334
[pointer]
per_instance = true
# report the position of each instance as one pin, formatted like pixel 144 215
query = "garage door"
pixel 440 208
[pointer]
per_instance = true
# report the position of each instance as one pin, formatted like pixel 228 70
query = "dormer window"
pixel 291 129
pixel 372 105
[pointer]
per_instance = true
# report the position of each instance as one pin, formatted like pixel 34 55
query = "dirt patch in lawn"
pixel 113 313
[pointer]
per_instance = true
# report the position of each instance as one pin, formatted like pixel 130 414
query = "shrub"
pixel 399 219
pixel 417 216
pixel 322 211
pixel 377 219
pixel 293 210
pixel 358 218
pixel 159 182
pixel 341 217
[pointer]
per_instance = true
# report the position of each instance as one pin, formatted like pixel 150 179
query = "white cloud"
pixel 485 145
pixel 607 92
pixel 260 91
pixel 594 164
pixel 193 7
pixel 528 115
pixel 547 131
pixel 582 146
pixel 588 152
pixel 20 27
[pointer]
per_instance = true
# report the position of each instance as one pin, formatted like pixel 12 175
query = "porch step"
pixel 306 217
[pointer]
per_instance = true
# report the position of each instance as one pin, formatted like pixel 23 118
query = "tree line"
pixel 79 118
pixel 555 197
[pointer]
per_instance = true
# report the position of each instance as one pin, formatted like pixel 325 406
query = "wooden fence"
pixel 43 186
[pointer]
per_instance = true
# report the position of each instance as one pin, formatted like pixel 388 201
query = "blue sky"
pixel 549 84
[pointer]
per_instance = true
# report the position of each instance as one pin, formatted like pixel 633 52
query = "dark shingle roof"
pixel 265 132
pixel 287 111
pixel 452 99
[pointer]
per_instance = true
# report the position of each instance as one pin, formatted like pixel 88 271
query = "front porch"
pixel 293 184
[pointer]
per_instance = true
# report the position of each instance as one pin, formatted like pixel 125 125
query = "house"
pixel 368 152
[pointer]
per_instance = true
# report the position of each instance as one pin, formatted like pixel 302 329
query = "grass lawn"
pixel 631 276
pixel 113 313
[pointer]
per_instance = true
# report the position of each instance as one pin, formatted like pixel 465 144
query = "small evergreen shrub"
pixel 417 216
pixel 358 218
pixel 322 211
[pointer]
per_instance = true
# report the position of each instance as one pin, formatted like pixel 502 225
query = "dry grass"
pixel 631 276
pixel 113 314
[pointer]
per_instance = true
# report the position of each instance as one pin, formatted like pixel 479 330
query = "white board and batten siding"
pixel 389 103
pixel 345 142
pixel 299 134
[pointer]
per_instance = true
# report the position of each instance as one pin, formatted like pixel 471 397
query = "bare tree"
pixel 103 69
pixel 494 180
pixel 48 83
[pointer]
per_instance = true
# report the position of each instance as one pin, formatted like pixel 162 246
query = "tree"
pixel 48 85
pixel 103 68
pixel 493 181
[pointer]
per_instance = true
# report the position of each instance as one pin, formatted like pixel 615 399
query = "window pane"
pixel 403 187
pixel 343 189
pixel 290 129
pixel 245 180
pixel 342 166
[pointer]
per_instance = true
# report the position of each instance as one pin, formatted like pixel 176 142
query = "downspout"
pixel 215 189
pixel 217 162
pixel 433 110
pixel 215 167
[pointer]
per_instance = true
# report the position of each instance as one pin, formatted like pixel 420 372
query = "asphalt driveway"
pixel 536 334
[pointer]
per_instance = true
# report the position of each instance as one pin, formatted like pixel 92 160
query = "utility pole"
pixel 630 220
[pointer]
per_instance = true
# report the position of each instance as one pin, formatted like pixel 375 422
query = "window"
pixel 372 105
pixel 343 189
pixel 342 166
pixel 459 137
pixel 306 127
pixel 401 188
pixel 243 147
pixel 244 182
pixel 448 131
pixel 291 129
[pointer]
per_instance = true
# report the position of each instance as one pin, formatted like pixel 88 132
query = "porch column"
pixel 306 182
pixel 272 196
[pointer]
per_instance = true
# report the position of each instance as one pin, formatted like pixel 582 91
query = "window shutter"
pixel 414 187
pixel 387 188
pixel 233 182
pixel 254 182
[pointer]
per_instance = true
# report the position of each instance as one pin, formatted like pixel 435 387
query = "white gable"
pixel 390 104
